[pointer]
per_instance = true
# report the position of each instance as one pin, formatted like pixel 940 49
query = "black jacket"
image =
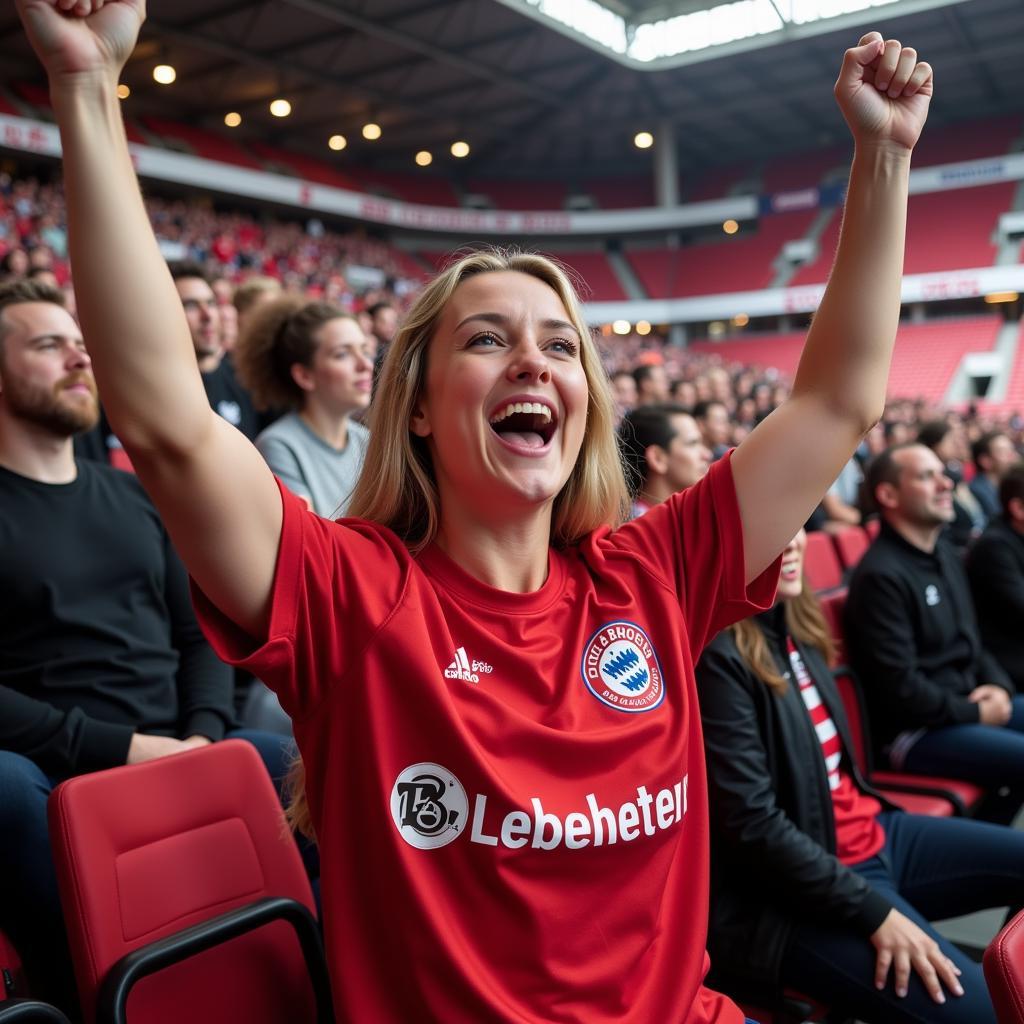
pixel 995 568
pixel 913 639
pixel 772 828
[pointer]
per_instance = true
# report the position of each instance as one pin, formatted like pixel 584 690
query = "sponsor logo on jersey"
pixel 429 806
pixel 462 668
pixel 620 668
pixel 931 595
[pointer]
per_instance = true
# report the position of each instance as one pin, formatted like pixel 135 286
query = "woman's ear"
pixel 419 422
pixel 303 376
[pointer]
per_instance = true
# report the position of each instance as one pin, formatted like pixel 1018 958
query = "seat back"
pixel 146 851
pixel 12 980
pixel 850 694
pixel 851 543
pixel 1004 971
pixel 821 563
pixel 832 606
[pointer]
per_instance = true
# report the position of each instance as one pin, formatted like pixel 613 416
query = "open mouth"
pixel 525 424
pixel 790 570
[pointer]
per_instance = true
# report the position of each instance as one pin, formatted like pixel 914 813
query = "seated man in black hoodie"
pixel 939 702
pixel 995 567
pixel 102 662
pixel 818 882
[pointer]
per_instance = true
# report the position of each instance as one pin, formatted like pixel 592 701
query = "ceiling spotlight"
pixel 337 143
pixel 424 159
pixel 621 327
pixel 123 92
pixel 233 119
pixel 371 131
pixel 643 140
pixel 740 320
pixel 643 327
pixel 164 74
pixel 460 149
pixel 280 108
pixel 730 227
pixel 995 297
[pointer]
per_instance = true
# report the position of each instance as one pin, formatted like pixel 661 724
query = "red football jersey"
pixel 508 789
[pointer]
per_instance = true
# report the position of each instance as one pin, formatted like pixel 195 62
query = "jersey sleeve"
pixel 335 586
pixel 693 544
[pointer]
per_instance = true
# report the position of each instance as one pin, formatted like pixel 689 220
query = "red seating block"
pixel 851 543
pixel 821 563
pixel 1003 964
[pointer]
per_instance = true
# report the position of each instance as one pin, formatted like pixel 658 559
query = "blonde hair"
pixel 805 624
pixel 279 334
pixel 397 488
pixel 252 290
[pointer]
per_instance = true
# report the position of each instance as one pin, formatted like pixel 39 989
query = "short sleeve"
pixel 694 544
pixel 335 586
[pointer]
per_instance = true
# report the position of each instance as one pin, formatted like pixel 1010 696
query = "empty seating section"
pixel 972 140
pixel 620 193
pixel 1015 389
pixel 599 282
pixel 781 351
pixel 730 264
pixel 521 195
pixel 803 170
pixel 202 143
pixel 409 188
pixel 717 183
pixel 953 230
pixel 927 355
pixel 821 563
pixel 306 167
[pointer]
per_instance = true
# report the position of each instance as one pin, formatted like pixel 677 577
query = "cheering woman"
pixel 491 681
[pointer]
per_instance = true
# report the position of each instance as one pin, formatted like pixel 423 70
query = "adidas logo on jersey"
pixel 463 668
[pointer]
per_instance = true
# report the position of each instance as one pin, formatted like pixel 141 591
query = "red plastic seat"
pixel 1003 964
pixel 872 528
pixel 184 894
pixel 851 543
pixel 821 563
pixel 12 978
pixel 947 796
pixel 832 608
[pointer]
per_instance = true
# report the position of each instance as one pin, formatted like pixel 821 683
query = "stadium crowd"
pixel 820 879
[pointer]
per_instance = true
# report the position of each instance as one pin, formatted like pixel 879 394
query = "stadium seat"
pixel 184 894
pixel 12 979
pixel 821 563
pixel 1003 964
pixel 851 543
pixel 832 609
pixel 872 528
pixel 29 1011
pixel 917 794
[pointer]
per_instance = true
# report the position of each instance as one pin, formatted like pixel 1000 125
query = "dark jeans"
pixel 989 755
pixel 30 912
pixel 929 869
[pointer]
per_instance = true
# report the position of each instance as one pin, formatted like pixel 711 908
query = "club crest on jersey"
pixel 620 668
pixel 428 805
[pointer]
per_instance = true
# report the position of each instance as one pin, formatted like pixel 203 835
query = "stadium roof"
pixel 534 98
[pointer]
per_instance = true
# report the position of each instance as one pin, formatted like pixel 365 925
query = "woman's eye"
pixel 484 340
pixel 562 345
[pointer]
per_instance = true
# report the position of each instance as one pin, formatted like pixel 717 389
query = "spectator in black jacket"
pixel 102 662
pixel 993 454
pixel 939 702
pixel 995 567
pixel 818 882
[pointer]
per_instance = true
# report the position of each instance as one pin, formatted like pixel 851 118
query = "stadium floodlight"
pixel 164 74
pixel 232 119
pixel 424 159
pixel 740 320
pixel 643 140
pixel 622 327
pixel 730 227
pixel 371 131
pixel 460 149
pixel 280 108
pixel 643 328
pixel 671 33
pixel 337 143
pixel 123 92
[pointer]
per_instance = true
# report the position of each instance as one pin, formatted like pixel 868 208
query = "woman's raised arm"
pixel 788 462
pixel 214 491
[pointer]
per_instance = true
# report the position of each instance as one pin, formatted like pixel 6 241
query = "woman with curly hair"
pixel 490 676
pixel 313 359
